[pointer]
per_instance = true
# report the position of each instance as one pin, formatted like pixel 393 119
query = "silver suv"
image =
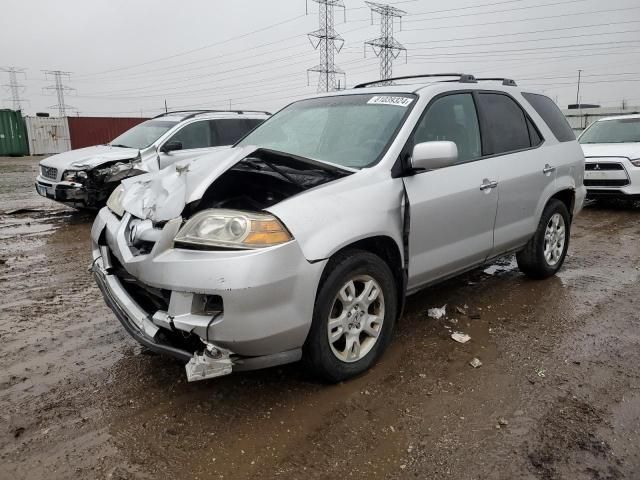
pixel 303 240
pixel 84 178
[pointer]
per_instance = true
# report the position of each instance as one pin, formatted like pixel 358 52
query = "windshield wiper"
pixel 119 145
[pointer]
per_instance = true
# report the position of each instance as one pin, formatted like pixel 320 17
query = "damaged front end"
pixel 91 186
pixel 194 266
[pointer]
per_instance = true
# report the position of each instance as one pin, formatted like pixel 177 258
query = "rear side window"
pixel 552 116
pixel 505 125
pixel 229 131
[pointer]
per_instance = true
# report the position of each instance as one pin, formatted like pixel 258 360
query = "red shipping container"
pixel 89 131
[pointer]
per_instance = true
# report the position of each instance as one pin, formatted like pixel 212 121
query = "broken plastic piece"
pixel 475 363
pixel 214 362
pixel 460 337
pixel 437 313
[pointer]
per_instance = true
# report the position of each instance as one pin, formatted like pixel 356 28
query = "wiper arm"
pixel 119 145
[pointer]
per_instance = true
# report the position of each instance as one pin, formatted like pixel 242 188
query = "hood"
pixel 163 195
pixel 90 157
pixel 628 150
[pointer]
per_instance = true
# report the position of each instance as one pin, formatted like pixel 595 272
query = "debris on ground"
pixel 475 363
pixel 437 313
pixel 541 372
pixel 461 311
pixel 18 431
pixel 460 337
pixel 502 422
pixel 474 316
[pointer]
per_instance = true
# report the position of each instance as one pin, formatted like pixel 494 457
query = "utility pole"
pixel 578 92
pixel 386 47
pixel 60 90
pixel 166 110
pixel 328 42
pixel 14 87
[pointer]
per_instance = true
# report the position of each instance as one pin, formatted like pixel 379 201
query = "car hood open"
pixel 163 195
pixel 627 150
pixel 89 157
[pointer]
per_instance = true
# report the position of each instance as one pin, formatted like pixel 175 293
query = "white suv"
pixel 303 240
pixel 612 150
pixel 85 178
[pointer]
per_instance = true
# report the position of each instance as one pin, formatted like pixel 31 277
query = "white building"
pixel 581 118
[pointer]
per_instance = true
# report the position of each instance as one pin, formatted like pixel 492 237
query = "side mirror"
pixel 171 146
pixel 434 155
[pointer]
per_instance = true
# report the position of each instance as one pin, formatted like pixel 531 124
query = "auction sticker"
pixel 390 100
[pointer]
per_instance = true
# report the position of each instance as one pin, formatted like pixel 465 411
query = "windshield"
pixel 624 130
pixel 349 130
pixel 143 135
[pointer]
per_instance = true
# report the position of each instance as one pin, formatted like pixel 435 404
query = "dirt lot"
pixel 557 395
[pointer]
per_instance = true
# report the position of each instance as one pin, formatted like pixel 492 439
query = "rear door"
pixel 453 209
pixel 523 173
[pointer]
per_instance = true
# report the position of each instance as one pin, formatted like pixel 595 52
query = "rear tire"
pixel 353 318
pixel 545 253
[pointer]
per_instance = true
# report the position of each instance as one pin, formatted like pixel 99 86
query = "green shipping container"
pixel 13 134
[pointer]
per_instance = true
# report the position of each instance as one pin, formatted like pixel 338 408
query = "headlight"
pixel 636 162
pixel 74 176
pixel 115 201
pixel 233 229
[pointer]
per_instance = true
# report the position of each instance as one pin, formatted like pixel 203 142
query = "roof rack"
pixel 507 82
pixel 198 112
pixel 462 78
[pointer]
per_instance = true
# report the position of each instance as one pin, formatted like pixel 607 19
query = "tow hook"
pixel 213 362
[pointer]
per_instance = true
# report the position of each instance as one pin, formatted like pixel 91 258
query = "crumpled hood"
pixel 89 157
pixel 628 150
pixel 162 195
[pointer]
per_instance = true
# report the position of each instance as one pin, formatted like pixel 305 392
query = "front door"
pixel 453 209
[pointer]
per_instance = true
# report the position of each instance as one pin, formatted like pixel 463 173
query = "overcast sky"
pixel 127 57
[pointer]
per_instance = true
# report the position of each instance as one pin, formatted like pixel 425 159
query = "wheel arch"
pixel 387 249
pixel 566 196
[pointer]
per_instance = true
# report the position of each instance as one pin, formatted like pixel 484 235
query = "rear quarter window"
pixel 552 116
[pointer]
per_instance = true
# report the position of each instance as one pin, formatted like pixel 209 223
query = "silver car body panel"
pixel 269 294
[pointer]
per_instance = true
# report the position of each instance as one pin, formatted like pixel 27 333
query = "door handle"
pixel 488 185
pixel 548 169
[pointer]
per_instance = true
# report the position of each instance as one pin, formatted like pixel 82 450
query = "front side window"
pixel 622 130
pixel 144 134
pixel 453 118
pixel 347 130
pixel 194 135
pixel 505 125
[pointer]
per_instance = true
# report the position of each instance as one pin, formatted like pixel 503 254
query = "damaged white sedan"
pixel 303 240
pixel 84 178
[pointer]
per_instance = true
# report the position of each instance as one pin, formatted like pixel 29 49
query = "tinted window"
pixel 194 135
pixel 552 115
pixel 229 131
pixel 452 118
pixel 506 127
pixel 534 135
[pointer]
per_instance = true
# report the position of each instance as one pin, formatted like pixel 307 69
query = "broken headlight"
pixel 232 229
pixel 78 176
pixel 115 201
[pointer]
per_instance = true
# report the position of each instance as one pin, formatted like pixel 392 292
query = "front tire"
pixel 353 317
pixel 545 253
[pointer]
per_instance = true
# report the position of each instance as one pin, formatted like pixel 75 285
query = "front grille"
pixel 603 166
pixel 49 172
pixel 606 183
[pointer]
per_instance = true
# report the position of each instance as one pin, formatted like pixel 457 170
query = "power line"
pixel 328 42
pixel 60 90
pixel 386 47
pixel 14 87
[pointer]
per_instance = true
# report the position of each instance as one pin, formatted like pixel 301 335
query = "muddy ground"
pixel 557 395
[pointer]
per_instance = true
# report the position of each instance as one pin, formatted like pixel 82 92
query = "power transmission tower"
pixel 60 89
pixel 386 47
pixel 329 42
pixel 14 87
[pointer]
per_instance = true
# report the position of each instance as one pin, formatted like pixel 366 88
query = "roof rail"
pixel 507 82
pixel 198 112
pixel 462 78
